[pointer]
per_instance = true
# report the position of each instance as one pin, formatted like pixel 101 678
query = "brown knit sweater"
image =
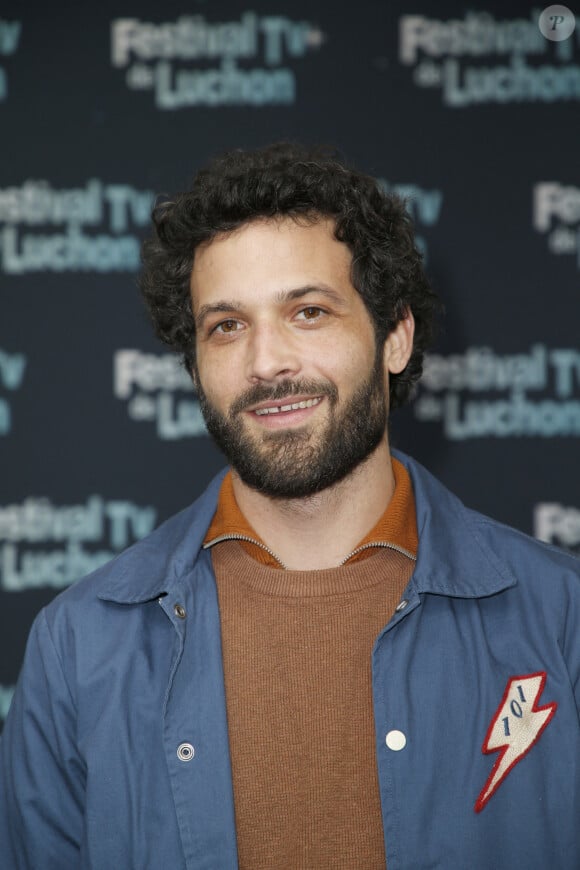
pixel 297 661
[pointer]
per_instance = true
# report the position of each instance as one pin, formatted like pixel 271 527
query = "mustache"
pixel 282 390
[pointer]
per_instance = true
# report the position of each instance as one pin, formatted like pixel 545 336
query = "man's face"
pixel 290 381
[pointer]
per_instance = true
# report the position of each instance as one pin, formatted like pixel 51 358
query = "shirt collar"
pixel 397 527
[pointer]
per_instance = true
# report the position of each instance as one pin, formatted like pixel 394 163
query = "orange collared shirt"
pixel 397 526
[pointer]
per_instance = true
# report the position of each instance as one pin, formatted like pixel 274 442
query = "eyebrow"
pixel 226 306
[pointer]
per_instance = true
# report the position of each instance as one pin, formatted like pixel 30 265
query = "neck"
pixel 321 530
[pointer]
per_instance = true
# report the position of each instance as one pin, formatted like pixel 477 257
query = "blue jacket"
pixel 115 751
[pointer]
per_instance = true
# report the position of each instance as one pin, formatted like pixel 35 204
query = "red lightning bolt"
pixel 516 726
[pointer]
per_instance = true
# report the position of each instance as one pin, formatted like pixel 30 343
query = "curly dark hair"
pixel 303 183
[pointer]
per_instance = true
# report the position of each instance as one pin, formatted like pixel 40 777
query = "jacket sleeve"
pixel 41 775
pixel 570 637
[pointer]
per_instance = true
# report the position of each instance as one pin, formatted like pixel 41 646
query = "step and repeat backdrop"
pixel 471 111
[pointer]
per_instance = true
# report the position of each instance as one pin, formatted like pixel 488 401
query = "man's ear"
pixel 193 375
pixel 399 345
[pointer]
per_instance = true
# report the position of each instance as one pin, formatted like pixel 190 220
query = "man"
pixel 327 661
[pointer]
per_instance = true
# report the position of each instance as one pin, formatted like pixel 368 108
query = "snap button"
pixel 396 740
pixel 401 605
pixel 185 751
pixel 180 611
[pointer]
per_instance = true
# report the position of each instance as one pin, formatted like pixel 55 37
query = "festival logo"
pixel 195 62
pixel 10 33
pixel 482 394
pixel 46 545
pixel 91 228
pixel 12 369
pixel 558 524
pixel 556 214
pixel 423 205
pixel 6 694
pixel 158 390
pixel 481 59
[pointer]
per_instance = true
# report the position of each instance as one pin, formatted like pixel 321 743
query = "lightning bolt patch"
pixel 516 726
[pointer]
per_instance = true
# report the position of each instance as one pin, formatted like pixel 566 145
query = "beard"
pixel 297 463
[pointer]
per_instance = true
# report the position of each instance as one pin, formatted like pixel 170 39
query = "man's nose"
pixel 272 353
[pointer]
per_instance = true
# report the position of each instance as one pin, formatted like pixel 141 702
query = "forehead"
pixel 267 256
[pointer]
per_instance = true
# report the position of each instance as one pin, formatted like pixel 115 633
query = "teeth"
pixel 275 409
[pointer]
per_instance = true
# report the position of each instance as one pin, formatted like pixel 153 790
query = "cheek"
pixel 214 384
pixel 215 370
pixel 358 359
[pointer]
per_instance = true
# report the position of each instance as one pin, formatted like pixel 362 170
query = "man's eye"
pixel 312 312
pixel 226 326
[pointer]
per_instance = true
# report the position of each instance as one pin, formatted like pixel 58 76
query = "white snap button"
pixel 185 751
pixel 396 740
pixel 401 605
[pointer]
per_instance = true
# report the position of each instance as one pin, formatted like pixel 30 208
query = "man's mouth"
pixel 290 406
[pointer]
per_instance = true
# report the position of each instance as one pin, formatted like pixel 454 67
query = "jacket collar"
pixel 155 565
pixel 453 559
